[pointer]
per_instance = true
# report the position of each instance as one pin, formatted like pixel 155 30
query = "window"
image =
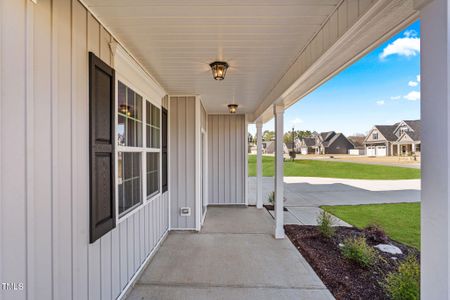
pixel 138 141
pixel 375 136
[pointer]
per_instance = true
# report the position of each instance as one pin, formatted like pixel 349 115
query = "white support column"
pixel 259 200
pixel 279 173
pixel 435 114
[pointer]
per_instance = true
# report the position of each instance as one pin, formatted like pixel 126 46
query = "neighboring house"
pixel 332 143
pixel 305 145
pixel 269 147
pixel 402 139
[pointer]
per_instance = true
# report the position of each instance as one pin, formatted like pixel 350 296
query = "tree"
pixel 268 135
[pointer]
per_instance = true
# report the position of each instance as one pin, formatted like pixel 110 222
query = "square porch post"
pixel 279 173
pixel 435 112
pixel 259 200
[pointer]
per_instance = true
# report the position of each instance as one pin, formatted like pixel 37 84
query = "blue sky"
pixel 383 87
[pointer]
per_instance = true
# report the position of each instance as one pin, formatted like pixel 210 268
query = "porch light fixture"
pixel 232 108
pixel 219 69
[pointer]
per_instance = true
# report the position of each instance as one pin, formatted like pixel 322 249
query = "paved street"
pixel 310 191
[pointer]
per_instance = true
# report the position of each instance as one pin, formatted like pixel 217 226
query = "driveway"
pixel 314 192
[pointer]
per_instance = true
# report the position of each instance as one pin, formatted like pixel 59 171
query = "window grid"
pixel 138 134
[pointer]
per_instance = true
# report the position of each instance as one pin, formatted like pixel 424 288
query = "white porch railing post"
pixel 279 173
pixel 259 200
pixel 435 114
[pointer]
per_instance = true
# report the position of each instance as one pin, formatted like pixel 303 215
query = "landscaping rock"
pixel 391 249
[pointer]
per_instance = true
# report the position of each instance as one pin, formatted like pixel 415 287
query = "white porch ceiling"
pixel 176 40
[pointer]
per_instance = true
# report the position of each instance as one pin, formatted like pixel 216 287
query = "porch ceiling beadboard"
pixel 176 41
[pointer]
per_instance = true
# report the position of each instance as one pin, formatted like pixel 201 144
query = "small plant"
pixel 405 282
pixel 376 234
pixel 357 250
pixel 271 198
pixel 325 223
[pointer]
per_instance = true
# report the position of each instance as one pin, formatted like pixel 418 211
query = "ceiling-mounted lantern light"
pixel 219 69
pixel 232 108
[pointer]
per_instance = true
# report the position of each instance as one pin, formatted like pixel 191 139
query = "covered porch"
pixel 233 257
pixel 76 76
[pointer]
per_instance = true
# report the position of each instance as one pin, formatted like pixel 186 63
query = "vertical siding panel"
pixel 130 249
pixel 115 263
pixel 181 158
pixel 61 123
pixel 12 134
pixel 105 39
pixel 233 167
pixel 173 152
pixel 227 149
pixel 210 185
pixel 80 159
pixel 105 266
pixel 220 157
pixel 142 235
pixel 239 160
pixel 41 228
pixel 190 160
pixel 226 167
pixel 94 249
pixel 123 251
pixel 136 241
pixel 146 232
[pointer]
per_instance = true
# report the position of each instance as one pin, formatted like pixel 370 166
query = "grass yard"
pixel 330 169
pixel 400 221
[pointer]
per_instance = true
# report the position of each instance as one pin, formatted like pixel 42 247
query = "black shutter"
pixel 101 147
pixel 164 150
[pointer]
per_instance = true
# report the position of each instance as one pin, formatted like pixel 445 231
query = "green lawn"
pixel 331 169
pixel 400 221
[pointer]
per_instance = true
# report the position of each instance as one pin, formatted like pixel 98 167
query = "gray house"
pixel 402 139
pixel 305 145
pixel 332 143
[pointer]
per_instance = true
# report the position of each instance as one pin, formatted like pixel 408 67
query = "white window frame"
pixel 120 217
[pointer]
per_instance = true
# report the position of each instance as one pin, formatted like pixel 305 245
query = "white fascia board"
pixel 126 67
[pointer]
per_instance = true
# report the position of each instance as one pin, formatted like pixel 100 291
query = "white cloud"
pixel 410 33
pixel 413 83
pixel 412 96
pixel 405 46
pixel 380 102
pixel 395 97
pixel 418 78
pixel 296 122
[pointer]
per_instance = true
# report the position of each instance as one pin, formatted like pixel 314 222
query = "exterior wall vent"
pixel 185 211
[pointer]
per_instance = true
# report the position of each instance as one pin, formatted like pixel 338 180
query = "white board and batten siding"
pixel 227 136
pixel 44 161
pixel 182 157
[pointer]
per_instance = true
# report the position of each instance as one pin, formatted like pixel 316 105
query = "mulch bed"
pixel 346 279
pixel 270 207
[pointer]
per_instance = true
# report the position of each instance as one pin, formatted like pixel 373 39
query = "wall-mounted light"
pixel 232 108
pixel 219 69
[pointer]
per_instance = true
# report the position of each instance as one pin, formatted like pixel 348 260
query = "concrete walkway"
pixel 314 192
pixel 234 257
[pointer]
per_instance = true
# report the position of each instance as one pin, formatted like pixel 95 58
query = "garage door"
pixel 304 151
pixel 381 151
pixel 371 151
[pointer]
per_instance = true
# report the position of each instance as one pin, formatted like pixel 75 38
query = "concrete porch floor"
pixel 234 257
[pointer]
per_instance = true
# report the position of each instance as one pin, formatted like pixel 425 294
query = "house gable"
pixel 375 136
